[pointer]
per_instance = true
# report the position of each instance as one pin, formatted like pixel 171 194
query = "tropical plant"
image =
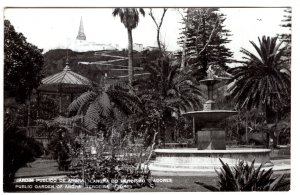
pixel 243 177
pixel 263 81
pixel 105 108
pixel 165 94
pixel 130 18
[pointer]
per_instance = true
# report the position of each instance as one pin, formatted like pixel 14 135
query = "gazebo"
pixel 64 83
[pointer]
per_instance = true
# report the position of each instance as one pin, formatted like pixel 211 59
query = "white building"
pixel 82 45
pixel 138 47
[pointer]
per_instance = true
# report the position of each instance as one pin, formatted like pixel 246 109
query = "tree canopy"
pixel 263 79
pixel 23 63
pixel 204 40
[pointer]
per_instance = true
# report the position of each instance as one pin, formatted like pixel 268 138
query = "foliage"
pixel 281 132
pixel 129 16
pixel 113 173
pixel 204 40
pixel 164 95
pixel 287 37
pixel 105 108
pixel 243 177
pixel 22 64
pixel 250 127
pixel 262 80
pixel 245 122
pixel 18 150
pixel 45 109
pixel 62 133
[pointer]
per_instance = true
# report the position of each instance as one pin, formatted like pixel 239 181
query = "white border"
pixel 184 3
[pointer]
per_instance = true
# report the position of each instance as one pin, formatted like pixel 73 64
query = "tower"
pixel 81 35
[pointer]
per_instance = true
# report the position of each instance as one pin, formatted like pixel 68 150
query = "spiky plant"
pixel 166 93
pixel 263 79
pixel 243 177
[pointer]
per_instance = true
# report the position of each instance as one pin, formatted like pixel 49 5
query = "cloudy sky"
pixel 50 28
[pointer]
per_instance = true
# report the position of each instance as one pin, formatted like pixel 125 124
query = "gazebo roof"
pixel 65 81
pixel 66 77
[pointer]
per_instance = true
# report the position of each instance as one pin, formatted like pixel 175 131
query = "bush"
pixel 243 177
pixel 18 150
pixel 113 173
pixel 63 147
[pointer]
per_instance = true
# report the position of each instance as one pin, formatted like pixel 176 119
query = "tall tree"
pixel 204 40
pixel 263 80
pixel 130 18
pixel 287 36
pixel 22 64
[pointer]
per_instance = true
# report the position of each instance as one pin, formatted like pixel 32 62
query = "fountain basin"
pixel 191 161
pixel 204 116
pixel 207 135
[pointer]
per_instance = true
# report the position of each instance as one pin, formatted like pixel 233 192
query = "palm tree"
pixel 263 79
pixel 165 94
pixel 130 18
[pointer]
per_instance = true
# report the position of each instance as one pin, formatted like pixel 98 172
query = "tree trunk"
pixel 183 56
pixel 130 57
pixel 204 59
pixel 158 41
pixel 271 119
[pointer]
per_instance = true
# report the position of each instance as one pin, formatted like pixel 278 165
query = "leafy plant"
pixel 22 64
pixel 263 79
pixel 62 131
pixel 105 108
pixel 19 149
pixel 243 177
pixel 164 95
pixel 112 173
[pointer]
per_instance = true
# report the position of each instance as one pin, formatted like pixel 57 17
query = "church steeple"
pixel 81 35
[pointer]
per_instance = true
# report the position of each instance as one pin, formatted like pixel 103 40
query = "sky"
pixel 51 28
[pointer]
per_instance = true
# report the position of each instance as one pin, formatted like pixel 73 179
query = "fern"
pixel 81 101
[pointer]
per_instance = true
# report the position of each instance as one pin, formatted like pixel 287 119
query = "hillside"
pixel 93 65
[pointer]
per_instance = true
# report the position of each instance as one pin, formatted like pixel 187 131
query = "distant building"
pixel 138 47
pixel 81 35
pixel 82 45
pixel 150 48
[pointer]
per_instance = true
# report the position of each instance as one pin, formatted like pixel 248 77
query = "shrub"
pixel 243 177
pixel 18 150
pixel 113 173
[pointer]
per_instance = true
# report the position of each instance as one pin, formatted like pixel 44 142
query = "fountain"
pixel 209 141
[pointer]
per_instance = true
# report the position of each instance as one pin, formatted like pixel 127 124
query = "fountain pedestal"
pixel 211 139
pixel 210 143
pixel 209 136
